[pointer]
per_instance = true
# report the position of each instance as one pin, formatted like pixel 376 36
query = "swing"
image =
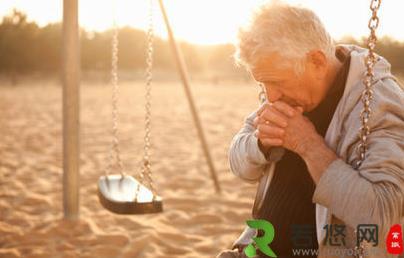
pixel 121 193
pixel 124 194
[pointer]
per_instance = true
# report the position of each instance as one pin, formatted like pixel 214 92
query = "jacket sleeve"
pixel 374 192
pixel 245 158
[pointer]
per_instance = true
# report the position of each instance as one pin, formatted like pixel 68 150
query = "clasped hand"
pixel 279 124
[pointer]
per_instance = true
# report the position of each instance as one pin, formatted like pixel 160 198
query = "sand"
pixel 196 222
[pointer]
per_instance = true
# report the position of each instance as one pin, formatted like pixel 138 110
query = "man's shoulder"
pixel 388 101
pixel 386 122
pixel 389 88
pixel 386 105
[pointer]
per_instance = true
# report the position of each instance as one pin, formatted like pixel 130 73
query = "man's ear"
pixel 318 62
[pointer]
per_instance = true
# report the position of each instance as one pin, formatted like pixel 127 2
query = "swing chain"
pixel 115 149
pixel 262 95
pixel 367 96
pixel 146 166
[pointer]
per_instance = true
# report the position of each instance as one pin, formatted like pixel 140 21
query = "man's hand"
pixel 280 124
pixel 270 126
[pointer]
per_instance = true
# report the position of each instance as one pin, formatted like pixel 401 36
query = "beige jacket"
pixel 373 194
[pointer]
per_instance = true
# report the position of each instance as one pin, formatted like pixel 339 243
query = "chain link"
pixel 262 95
pixel 146 172
pixel 115 152
pixel 367 95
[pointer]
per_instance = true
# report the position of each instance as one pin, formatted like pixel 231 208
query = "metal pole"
pixel 70 78
pixel 185 81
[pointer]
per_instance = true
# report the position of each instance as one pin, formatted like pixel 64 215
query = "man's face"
pixel 282 83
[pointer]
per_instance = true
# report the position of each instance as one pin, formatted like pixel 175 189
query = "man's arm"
pixel 246 159
pixel 374 193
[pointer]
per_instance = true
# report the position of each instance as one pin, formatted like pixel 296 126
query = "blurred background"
pixel 196 221
pixel 31 31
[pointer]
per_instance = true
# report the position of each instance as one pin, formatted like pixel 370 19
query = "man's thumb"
pixel 300 109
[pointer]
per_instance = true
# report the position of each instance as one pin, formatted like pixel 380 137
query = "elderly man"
pixel 313 91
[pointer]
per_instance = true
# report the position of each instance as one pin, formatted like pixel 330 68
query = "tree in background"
pixel 25 48
pixel 17 53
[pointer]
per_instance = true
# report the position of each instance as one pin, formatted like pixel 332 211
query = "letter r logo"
pixel 261 242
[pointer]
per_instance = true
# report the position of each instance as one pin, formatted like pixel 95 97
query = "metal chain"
pixel 115 149
pixel 262 96
pixel 367 95
pixel 146 173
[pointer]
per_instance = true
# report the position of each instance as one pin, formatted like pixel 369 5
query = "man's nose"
pixel 273 95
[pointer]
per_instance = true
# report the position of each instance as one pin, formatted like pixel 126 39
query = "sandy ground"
pixel 196 222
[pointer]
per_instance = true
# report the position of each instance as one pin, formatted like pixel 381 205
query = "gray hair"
pixel 287 30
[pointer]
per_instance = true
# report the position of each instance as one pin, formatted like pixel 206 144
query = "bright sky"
pixel 212 21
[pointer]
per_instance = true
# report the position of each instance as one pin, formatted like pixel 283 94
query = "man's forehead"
pixel 264 74
pixel 268 66
pixel 265 60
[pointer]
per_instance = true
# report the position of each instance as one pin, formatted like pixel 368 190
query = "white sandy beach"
pixel 196 222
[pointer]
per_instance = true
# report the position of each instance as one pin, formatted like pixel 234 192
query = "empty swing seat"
pixel 118 194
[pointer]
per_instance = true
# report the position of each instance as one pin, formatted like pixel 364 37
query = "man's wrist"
pixel 306 149
pixel 318 156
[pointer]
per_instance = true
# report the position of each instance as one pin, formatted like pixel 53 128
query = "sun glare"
pixel 210 21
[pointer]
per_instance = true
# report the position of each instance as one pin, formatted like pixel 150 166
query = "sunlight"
pixel 209 21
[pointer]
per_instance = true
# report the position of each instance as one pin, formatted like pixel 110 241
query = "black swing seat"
pixel 118 194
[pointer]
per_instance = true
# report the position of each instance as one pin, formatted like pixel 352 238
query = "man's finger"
pixel 300 109
pixel 273 116
pixel 271 142
pixel 263 107
pixel 256 121
pixel 269 131
pixel 284 108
